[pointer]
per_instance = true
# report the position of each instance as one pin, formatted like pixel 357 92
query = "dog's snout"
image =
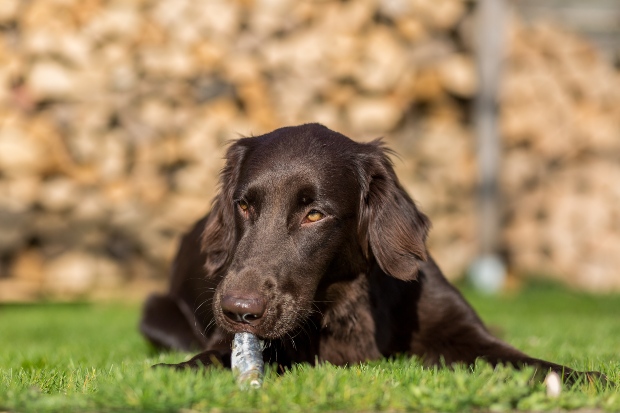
pixel 245 309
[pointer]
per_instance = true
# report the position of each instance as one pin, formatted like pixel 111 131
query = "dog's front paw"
pixel 204 359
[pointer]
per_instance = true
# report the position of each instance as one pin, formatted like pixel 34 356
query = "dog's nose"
pixel 244 309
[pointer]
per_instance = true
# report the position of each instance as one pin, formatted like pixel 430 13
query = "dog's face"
pixel 298 209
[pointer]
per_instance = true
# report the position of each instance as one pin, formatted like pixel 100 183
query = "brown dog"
pixel 313 245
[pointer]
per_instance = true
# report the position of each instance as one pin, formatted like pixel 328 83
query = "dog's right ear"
pixel 218 237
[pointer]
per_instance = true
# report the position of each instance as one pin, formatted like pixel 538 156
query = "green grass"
pixel 82 357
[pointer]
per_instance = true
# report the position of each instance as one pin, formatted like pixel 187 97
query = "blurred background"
pixel 114 115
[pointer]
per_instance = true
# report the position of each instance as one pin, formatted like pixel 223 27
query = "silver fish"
pixel 247 360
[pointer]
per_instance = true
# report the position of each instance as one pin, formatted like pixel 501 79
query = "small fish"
pixel 247 360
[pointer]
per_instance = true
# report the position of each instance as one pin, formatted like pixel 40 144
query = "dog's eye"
pixel 243 205
pixel 314 216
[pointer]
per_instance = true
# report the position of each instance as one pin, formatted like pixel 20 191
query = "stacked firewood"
pixel 561 174
pixel 114 116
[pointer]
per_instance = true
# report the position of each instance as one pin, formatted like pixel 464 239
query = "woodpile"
pixel 561 174
pixel 114 116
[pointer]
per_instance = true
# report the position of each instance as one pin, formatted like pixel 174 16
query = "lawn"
pixel 90 358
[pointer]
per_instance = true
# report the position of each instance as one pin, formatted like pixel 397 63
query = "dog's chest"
pixel 347 333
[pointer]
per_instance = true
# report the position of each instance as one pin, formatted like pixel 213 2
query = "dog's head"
pixel 298 209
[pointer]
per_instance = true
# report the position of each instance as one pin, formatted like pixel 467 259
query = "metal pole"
pixel 488 270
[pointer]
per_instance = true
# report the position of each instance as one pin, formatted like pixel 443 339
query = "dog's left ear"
pixel 390 226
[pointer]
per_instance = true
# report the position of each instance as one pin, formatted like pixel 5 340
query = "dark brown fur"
pixel 356 285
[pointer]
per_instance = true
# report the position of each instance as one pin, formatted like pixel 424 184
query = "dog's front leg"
pixel 207 358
